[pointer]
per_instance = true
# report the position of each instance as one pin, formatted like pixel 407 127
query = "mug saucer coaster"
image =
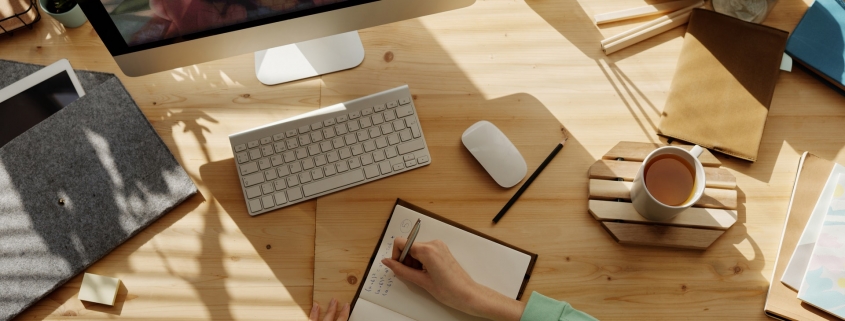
pixel 695 228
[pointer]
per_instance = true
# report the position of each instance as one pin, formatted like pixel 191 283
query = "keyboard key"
pixel 399 166
pixel 307 164
pixel 378 108
pixel 340 129
pixel 279 136
pixel 317 125
pixel 404 111
pixel 354 163
pixel 292 143
pixel 304 129
pixel 398 125
pixel 283 171
pixel 405 135
pixel 350 139
pixel 255 205
pixel 396 160
pixel 369 146
pixel 384 167
pixel 392 104
pixel 367 159
pixel 390 152
pixel 240 148
pixel 328 132
pixel 381 142
pixel 375 132
pixel 393 139
pixel 268 201
pixel 353 125
pixel 341 119
pixel 378 119
pixel 411 146
pixel 315 149
pixel 293 180
pixel 295 167
pixel 253 192
pixel 316 136
pixel 279 147
pixel 408 157
pixel 291 133
pixel 294 194
pixel 304 140
pixel 280 198
pixel 367 111
pixel 267 188
pixel 270 175
pixel 280 184
pixel 289 157
pixel 332 156
pixel 267 150
pixel 253 179
pixel 317 173
pixel 320 160
pixel 355 115
pixel 249 168
pixel 342 167
pixel 410 121
pixel 371 171
pixel 366 122
pixel 301 153
pixel 386 128
pixel 277 160
pixel 254 154
pixel 422 160
pixel 264 163
pixel 330 170
pixel 378 156
pixel 266 140
pixel 252 144
pixel 345 153
pixel 415 129
pixel 410 163
pixel 389 115
pixel 305 177
pixel 357 150
pixel 243 157
pixel 362 136
pixel 333 183
pixel 328 122
pixel 405 101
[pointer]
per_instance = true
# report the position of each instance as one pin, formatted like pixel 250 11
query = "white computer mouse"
pixel 495 152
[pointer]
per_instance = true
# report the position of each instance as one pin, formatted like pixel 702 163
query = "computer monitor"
pixel 291 39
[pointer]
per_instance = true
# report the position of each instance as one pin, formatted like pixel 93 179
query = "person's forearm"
pixel 489 304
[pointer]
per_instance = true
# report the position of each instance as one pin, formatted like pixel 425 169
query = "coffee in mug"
pixel 670 179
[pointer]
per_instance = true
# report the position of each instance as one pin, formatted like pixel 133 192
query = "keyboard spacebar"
pixel 333 182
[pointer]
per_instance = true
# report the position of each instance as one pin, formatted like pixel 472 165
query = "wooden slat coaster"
pixel 696 228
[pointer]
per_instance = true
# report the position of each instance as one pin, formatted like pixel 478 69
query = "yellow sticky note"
pixel 99 289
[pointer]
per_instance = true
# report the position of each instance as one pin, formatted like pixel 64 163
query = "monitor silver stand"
pixel 309 58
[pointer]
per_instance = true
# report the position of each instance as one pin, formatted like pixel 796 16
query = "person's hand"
pixel 432 267
pixel 331 313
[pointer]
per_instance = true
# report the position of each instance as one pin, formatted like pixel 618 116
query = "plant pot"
pixel 71 19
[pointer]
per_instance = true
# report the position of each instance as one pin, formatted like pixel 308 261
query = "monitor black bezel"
pixel 107 30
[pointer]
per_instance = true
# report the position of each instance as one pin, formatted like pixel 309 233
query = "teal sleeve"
pixel 542 308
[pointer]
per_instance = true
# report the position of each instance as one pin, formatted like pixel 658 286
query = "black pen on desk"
pixel 411 238
pixel 529 181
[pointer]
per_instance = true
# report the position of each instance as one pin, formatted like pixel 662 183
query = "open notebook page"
pixel 494 265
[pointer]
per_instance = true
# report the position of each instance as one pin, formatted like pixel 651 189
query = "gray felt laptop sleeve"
pixel 100 156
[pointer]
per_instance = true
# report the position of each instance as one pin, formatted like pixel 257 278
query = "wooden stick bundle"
pixel 648 30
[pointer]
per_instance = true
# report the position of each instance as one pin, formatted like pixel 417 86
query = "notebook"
pixel 497 265
pixel 797 266
pixel 782 303
pixel 818 42
pixel 824 283
pixel 724 83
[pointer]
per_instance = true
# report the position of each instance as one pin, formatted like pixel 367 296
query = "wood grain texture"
pixel 658 235
pixel 613 169
pixel 613 190
pixel 637 152
pixel 694 217
pixel 528 66
pixel 643 11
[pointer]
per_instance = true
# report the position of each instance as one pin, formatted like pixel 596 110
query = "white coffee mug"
pixel 644 201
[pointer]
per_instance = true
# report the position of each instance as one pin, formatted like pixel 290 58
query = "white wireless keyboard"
pixel 328 150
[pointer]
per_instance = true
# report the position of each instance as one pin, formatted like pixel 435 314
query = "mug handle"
pixel 696 151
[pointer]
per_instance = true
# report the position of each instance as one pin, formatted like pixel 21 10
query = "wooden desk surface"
pixel 532 66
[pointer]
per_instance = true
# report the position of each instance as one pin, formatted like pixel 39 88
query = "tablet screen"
pixel 28 108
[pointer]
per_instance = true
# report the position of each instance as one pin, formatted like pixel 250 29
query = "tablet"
pixel 28 101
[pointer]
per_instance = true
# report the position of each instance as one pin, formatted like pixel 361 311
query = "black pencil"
pixel 529 181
